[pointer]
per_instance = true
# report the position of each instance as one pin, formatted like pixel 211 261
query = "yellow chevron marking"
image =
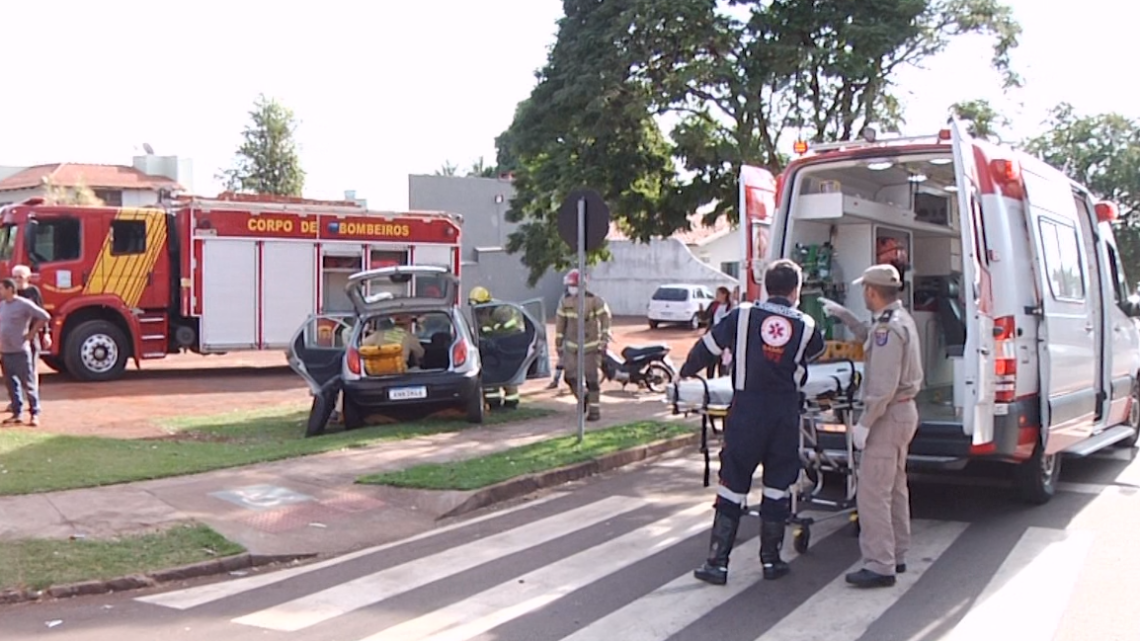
pixel 126 276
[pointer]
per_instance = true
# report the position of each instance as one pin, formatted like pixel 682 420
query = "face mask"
pixel 573 290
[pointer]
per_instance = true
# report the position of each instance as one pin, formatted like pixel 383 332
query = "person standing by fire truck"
pixel 894 375
pixel 597 337
pixel 22 275
pixel 772 343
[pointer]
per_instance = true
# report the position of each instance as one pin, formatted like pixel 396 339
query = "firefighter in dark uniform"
pixel 772 343
pixel 493 321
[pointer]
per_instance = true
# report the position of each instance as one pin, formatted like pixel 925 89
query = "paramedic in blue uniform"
pixel 893 377
pixel 772 343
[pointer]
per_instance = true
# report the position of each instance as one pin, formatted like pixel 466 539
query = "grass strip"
pixel 475 473
pixel 40 563
pixel 33 461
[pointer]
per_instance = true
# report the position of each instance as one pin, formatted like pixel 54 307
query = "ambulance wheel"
pixel 801 539
pixel 96 350
pixel 1133 417
pixel 1036 478
pixel 476 406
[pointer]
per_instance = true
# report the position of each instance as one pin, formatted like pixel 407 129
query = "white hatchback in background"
pixel 679 303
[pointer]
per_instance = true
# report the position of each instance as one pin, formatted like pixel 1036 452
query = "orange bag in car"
pixel 383 359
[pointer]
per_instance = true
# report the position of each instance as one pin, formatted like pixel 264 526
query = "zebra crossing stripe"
pixel 510 600
pixel 203 594
pixel 1028 595
pixel 684 600
pixel 350 596
pixel 840 612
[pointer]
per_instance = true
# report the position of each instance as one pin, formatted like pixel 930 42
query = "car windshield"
pixel 671 294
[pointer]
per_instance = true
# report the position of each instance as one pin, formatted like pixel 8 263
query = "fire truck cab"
pixel 206 275
pixel 1027 324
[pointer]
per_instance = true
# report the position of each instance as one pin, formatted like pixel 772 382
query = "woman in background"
pixel 717 311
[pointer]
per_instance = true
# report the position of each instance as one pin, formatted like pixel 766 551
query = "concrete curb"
pixel 150 579
pixel 524 485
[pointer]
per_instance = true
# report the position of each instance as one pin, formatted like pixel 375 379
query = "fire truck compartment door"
pixel 229 294
pixel 288 283
pixel 509 356
pixel 366 289
pixel 316 352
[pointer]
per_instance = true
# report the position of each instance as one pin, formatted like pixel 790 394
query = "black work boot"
pixel 867 579
pixel 594 413
pixel 771 541
pixel 715 569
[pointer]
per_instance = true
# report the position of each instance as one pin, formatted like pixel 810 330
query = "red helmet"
pixel 571 279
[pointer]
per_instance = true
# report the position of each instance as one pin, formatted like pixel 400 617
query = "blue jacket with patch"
pixel 771 343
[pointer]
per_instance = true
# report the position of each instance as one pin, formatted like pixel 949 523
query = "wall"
pixel 131 197
pixel 630 277
pixel 483 203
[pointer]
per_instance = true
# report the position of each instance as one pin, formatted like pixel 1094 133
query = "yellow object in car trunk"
pixel 380 360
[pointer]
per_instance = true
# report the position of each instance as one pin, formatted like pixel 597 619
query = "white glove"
pixel 830 307
pixel 859 436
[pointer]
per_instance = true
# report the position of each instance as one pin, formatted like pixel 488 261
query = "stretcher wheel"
pixel 801 539
pixel 856 529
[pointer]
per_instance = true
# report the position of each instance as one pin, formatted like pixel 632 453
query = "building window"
pixel 110 197
pixel 731 269
pixel 128 237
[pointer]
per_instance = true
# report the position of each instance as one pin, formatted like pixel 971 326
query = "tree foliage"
pixel 267 161
pixel 1102 152
pixel 738 77
pixel 981 118
pixel 79 195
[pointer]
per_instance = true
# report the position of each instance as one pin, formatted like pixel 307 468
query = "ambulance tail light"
pixel 353 361
pixel 1005 359
pixel 459 353
pixel 1006 174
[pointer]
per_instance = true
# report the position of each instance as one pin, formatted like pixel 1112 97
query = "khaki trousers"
pixel 592 376
pixel 883 499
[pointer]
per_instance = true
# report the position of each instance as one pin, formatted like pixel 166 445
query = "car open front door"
pixel 977 356
pixel 507 356
pixel 316 353
pixel 540 367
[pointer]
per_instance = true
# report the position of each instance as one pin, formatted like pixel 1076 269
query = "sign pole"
pixel 582 393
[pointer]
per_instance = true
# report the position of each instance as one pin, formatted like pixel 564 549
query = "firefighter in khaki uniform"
pixel 597 338
pixel 893 375
pixel 502 320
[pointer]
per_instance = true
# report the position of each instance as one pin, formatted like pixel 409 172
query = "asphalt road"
pixel 611 558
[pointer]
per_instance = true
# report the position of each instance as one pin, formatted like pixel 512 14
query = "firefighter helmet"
pixel 479 295
pixel 571 279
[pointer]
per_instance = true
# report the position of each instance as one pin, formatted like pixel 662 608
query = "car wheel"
pixel 322 410
pixel 653 324
pixel 476 406
pixel 353 416
pixel 695 322
pixel 1036 478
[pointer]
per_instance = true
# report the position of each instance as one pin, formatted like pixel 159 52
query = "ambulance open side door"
pixel 977 361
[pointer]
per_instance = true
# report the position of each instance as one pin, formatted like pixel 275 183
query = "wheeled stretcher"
pixel 831 397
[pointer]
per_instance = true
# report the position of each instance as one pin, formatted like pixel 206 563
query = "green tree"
pixel 982 120
pixel 740 76
pixel 267 161
pixel 447 169
pixel 480 169
pixel 1102 152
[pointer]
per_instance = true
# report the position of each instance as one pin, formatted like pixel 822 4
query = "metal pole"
pixel 581 382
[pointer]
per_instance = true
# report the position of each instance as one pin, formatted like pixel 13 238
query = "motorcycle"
pixel 646 366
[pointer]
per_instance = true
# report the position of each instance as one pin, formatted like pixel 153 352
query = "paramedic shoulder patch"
pixel 881 336
pixel 776 331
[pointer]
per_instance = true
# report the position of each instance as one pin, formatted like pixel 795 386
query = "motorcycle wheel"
pixel 657 376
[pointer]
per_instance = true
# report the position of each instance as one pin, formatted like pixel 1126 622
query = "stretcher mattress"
pixel 825 380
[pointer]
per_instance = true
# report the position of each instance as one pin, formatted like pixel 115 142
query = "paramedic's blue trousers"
pixel 757 434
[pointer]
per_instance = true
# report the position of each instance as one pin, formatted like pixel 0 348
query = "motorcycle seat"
pixel 641 351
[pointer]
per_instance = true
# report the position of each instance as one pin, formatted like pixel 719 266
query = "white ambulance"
pixel 1030 341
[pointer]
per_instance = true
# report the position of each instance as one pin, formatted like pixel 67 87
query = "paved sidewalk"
pixel 307 505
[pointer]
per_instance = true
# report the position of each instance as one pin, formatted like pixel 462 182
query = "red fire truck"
pixel 207 275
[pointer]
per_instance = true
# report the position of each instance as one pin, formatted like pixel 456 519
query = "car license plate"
pixel 406 393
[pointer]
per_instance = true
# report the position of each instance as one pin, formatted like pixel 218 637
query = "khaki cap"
pixel 880 276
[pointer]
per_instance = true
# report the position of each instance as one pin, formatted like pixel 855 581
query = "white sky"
pixel 389 91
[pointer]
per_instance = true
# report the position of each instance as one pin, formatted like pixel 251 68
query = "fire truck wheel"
pixel 96 350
